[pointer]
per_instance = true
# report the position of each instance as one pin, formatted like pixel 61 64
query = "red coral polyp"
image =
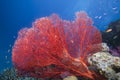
pixel 54 46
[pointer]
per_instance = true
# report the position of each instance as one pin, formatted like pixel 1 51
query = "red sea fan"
pixel 54 46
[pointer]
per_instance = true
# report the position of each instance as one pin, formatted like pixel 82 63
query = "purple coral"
pixel 115 51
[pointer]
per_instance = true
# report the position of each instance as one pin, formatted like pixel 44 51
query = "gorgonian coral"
pixel 53 46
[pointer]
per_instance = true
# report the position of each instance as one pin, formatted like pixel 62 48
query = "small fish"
pixel 115 37
pixel 8 50
pixel 114 8
pixel 99 17
pixel 96 17
pixel 109 30
pixel 104 13
pixel 6 57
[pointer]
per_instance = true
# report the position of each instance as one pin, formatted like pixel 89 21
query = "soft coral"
pixel 53 46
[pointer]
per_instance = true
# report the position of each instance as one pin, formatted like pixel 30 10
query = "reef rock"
pixel 70 78
pixel 105 47
pixel 107 65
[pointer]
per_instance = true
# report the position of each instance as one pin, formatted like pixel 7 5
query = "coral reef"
pixel 10 74
pixel 102 62
pixel 54 46
pixel 112 37
pixel 108 65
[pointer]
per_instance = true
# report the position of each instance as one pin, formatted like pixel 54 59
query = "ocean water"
pixel 17 14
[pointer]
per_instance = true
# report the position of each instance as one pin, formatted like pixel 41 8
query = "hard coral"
pixel 54 46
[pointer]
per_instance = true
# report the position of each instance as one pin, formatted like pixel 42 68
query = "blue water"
pixel 16 14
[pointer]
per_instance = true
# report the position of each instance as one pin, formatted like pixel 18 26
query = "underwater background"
pixel 17 14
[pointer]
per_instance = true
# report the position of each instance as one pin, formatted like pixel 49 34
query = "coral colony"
pixel 53 47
